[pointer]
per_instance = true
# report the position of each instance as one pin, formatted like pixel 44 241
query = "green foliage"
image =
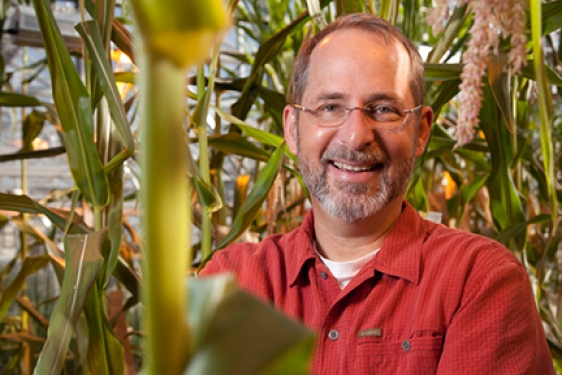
pixel 504 184
pixel 83 264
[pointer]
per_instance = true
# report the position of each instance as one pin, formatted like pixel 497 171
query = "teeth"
pixel 352 168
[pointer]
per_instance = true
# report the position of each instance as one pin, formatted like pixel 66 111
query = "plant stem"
pixel 26 349
pixel 204 160
pixel 166 217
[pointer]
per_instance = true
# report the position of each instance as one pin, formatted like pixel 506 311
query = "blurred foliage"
pixel 505 184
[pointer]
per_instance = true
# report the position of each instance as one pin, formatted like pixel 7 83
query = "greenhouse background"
pixel 501 180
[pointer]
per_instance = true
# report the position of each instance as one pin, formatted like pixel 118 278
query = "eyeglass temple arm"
pixel 413 109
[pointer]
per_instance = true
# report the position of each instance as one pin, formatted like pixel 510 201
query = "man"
pixel 386 291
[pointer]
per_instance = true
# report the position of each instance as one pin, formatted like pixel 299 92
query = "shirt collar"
pixel 302 248
pixel 400 254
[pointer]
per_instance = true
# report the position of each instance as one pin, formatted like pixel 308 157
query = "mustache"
pixel 371 156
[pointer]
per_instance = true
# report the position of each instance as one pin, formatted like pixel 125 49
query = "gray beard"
pixel 353 202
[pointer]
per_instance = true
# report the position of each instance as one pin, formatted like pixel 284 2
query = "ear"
pixel 290 128
pixel 426 119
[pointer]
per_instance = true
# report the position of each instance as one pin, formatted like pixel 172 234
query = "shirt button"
pixel 333 335
pixel 406 345
pixel 323 275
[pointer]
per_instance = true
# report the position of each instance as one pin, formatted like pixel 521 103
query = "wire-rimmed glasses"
pixel 378 116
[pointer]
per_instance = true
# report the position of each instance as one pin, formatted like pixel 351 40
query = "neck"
pixel 341 241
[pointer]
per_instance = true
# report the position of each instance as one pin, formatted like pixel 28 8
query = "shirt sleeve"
pixel 497 329
pixel 212 267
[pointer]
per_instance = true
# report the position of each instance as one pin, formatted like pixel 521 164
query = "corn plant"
pixel 238 181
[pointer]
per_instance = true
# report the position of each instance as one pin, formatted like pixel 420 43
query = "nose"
pixel 356 132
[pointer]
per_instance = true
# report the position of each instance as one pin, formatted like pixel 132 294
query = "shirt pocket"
pixel 412 355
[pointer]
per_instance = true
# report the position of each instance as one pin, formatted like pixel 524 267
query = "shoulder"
pixel 272 253
pixel 476 264
pixel 462 246
pixel 247 256
pixel 267 267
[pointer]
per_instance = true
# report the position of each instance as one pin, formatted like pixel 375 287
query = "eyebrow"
pixel 383 97
pixel 376 97
pixel 330 96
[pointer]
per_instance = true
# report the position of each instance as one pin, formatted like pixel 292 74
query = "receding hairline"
pixel 374 36
pixel 365 23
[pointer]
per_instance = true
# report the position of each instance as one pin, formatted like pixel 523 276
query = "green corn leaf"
pixel 551 16
pixel 203 180
pixel 476 157
pixel 8 99
pixel 445 92
pixel 259 135
pixel 262 136
pixel 411 21
pixel 119 33
pixel 545 108
pixel 114 224
pixel 24 204
pixel 39 154
pixel 468 191
pixel 105 81
pixel 93 41
pixel 389 10
pixel 127 277
pixel 222 314
pixel 105 353
pixel 442 72
pixel 505 203
pixel 499 83
pixel 519 228
pixel 454 26
pixel 266 138
pixel 236 144
pixel 104 18
pixel 53 252
pixel 256 197
pixel 73 107
pixel 83 265
pixel 529 71
pixel 350 6
pixel 267 51
pixel 81 342
pixel 20 337
pixel 208 196
pixel 29 267
pixel 28 307
pixel 274 102
pixel 417 195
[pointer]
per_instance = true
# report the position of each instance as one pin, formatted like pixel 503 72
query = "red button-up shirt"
pixel 434 300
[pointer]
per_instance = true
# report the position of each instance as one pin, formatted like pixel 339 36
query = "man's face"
pixel 353 171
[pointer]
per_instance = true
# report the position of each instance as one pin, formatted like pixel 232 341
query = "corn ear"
pixel 182 31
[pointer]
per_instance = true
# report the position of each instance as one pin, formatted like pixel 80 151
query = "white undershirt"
pixel 345 271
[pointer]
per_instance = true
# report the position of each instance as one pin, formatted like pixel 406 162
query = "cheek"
pixel 400 146
pixel 313 139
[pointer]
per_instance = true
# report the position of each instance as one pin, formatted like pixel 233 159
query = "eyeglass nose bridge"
pixel 348 110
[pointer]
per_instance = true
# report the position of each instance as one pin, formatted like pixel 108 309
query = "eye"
pixel 383 110
pixel 329 108
pixel 383 113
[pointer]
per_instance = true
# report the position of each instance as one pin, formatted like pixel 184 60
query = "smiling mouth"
pixel 356 168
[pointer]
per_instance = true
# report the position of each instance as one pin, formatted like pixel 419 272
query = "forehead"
pixel 356 63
